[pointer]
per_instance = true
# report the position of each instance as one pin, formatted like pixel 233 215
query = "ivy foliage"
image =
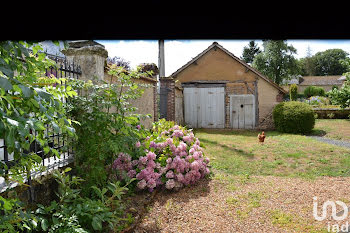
pixel 30 103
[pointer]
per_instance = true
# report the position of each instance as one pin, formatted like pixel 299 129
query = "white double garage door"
pixel 205 108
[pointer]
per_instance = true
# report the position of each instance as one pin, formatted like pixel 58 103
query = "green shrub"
pixel 294 117
pixel 314 91
pixel 293 92
pixel 341 96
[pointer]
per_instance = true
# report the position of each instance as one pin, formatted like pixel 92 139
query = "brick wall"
pixel 169 85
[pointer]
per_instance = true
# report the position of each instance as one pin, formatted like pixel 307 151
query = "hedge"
pixel 294 117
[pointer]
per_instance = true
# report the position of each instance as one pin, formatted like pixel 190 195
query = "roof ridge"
pixel 216 44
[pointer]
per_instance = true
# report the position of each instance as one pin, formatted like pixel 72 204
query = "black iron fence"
pixel 58 141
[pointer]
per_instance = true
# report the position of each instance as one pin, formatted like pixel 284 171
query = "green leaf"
pixel 6 71
pixel 34 223
pixel 55 220
pixel 5 83
pixel 96 224
pixel 46 149
pixel 42 108
pixel 44 224
pixel 67 169
pixel 6 204
pixel 39 126
pixel 71 131
pixel 26 91
pixel 55 127
pixel 43 94
pixel 34 102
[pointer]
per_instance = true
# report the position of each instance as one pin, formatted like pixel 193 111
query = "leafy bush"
pixel 314 91
pixel 75 213
pixel 173 157
pixel 293 92
pixel 107 125
pixel 293 117
pixel 341 96
pixel 14 218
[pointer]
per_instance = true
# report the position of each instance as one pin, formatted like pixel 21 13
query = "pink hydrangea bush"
pixel 173 157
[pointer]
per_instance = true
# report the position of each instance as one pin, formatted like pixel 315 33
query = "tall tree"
pixel 307 64
pixel 277 61
pixel 330 62
pixel 250 51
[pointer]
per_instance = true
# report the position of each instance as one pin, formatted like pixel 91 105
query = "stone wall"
pixel 91 56
pixel 332 113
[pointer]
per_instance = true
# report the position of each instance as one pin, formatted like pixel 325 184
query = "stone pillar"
pixel 167 98
pixel 90 55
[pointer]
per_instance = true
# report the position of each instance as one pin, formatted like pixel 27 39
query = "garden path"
pixel 332 141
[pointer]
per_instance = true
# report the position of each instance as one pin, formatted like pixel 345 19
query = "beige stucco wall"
pixel 146 103
pixel 217 65
pixel 266 97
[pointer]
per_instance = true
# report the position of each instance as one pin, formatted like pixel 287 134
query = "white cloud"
pixel 318 46
pixel 179 52
pixel 134 51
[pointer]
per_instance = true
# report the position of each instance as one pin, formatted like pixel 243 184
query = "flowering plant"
pixel 173 156
pixel 318 100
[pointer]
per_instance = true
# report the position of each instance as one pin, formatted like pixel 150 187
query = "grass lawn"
pixel 333 128
pixel 273 184
pixel 239 153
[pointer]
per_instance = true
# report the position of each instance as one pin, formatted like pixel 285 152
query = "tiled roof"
pixel 217 45
pixel 320 80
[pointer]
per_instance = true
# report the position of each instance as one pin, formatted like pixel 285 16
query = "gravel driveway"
pixel 332 141
pixel 264 204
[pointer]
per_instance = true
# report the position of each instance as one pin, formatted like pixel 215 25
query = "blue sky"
pixel 179 52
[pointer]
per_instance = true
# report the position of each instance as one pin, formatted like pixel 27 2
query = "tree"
pixel 277 61
pixel 250 51
pixel 330 62
pixel 293 92
pixel 307 64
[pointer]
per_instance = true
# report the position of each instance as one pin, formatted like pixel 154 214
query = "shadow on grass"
pixel 317 132
pixel 230 148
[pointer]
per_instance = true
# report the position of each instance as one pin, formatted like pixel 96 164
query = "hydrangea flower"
pixel 174 158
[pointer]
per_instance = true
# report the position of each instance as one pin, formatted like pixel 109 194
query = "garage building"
pixel 218 90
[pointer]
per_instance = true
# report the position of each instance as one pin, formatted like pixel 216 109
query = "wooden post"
pixel 256 103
